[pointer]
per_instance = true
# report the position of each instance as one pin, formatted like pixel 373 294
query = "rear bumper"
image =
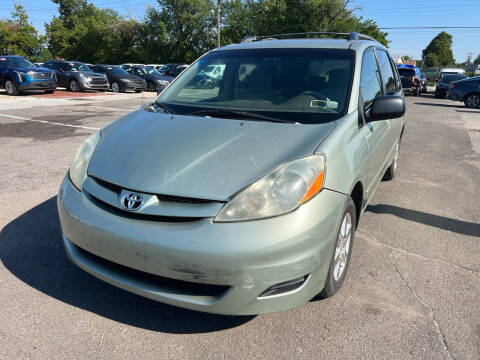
pixel 455 95
pixel 241 259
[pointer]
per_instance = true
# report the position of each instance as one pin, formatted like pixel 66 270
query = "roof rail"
pixel 349 36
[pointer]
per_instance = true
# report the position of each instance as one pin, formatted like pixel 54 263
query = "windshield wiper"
pixel 238 114
pixel 154 107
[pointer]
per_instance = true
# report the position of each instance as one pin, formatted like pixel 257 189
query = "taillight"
pixel 415 79
pixel 453 85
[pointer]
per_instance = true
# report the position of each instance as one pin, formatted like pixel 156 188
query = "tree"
pixel 19 37
pixel 439 51
pixel 269 17
pixel 477 60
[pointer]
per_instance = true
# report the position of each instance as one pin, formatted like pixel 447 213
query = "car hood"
pixel 35 69
pixel 198 157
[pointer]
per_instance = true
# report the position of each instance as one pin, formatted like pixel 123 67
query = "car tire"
pixel 11 87
pixel 73 85
pixel 151 86
pixel 392 169
pixel 49 91
pixel 342 251
pixel 472 101
pixel 115 87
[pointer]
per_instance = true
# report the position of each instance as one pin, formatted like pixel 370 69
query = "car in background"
pixel 171 69
pixel 410 77
pixel 155 66
pixel 38 64
pixel 423 82
pixel 76 76
pixel 119 79
pixel 449 71
pixel 18 75
pixel 443 84
pixel 155 81
pixel 129 65
pixel 466 90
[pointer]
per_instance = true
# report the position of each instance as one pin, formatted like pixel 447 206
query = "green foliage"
pixel 477 60
pixel 19 37
pixel 270 17
pixel 439 51
pixel 174 31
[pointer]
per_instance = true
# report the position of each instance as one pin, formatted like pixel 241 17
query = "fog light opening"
pixel 284 287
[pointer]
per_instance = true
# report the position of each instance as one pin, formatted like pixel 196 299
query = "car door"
pixel 377 131
pixel 60 72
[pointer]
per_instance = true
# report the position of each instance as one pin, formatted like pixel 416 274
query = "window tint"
pixel 48 65
pixel 387 72
pixel 370 84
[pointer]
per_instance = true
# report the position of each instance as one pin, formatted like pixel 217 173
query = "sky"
pixel 387 13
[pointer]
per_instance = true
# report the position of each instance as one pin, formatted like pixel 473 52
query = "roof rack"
pixel 349 36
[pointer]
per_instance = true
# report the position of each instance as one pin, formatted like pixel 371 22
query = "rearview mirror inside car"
pixel 386 107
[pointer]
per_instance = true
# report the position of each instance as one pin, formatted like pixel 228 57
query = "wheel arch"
pixel 357 196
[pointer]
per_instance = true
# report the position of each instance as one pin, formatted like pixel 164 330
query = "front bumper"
pixel 241 260
pixel 129 86
pixel 50 84
pixel 87 85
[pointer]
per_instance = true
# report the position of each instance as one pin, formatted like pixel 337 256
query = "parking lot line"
pixel 50 123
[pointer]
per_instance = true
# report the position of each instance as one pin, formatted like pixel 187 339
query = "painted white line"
pixel 115 109
pixel 50 123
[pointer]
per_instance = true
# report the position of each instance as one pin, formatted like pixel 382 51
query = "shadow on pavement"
pixel 441 222
pixel 31 249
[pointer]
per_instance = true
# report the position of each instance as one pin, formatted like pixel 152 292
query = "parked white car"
pixel 450 71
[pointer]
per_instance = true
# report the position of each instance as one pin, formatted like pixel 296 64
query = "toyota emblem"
pixel 132 201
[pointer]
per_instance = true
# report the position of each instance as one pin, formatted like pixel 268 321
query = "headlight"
pixel 78 170
pixel 278 192
pixel 163 82
pixel 126 80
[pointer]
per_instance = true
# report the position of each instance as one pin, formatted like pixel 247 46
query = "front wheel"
pixel 151 86
pixel 73 85
pixel 115 87
pixel 11 87
pixel 342 252
pixel 392 169
pixel 472 101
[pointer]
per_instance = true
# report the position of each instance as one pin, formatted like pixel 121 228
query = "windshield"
pixel 407 72
pixel 116 71
pixel 76 66
pixel 450 78
pixel 302 85
pixel 16 62
pixel 152 71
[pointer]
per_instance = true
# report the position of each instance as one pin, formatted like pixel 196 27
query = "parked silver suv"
pixel 239 195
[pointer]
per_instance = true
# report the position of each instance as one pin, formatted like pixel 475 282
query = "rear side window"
pixel 386 70
pixel 370 84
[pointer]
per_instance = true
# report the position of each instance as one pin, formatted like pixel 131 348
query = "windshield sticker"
pixel 326 104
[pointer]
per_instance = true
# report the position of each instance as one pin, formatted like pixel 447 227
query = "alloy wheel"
pixel 73 86
pixel 151 86
pixel 343 247
pixel 473 101
pixel 115 87
pixel 9 87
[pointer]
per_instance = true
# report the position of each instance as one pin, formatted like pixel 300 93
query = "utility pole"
pixel 218 23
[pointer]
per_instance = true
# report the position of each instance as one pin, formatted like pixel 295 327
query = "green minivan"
pixel 240 193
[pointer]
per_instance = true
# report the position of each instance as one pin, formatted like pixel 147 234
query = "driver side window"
pixel 370 83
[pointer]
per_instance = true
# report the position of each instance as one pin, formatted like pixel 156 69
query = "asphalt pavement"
pixel 412 291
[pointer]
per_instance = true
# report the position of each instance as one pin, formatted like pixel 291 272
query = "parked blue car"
pixel 18 75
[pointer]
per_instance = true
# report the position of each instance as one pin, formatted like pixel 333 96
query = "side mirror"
pixel 386 107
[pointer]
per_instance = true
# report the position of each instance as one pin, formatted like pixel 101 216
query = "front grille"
pixel 160 197
pixel 138 216
pixel 172 285
pixel 98 81
pixel 40 76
